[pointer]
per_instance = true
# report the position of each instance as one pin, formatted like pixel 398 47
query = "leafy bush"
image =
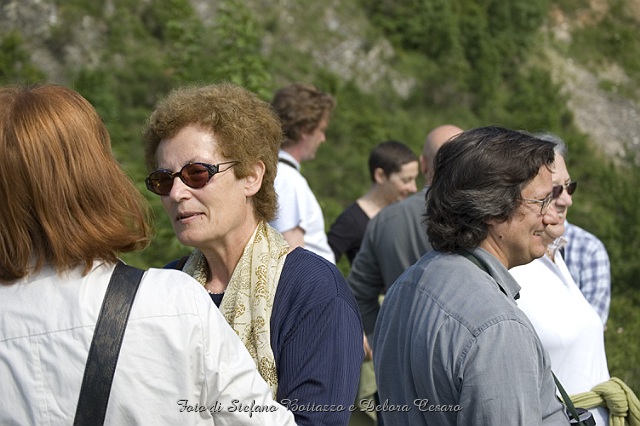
pixel 15 62
pixel 611 36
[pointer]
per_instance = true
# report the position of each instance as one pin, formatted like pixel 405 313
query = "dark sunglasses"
pixel 546 201
pixel 569 187
pixel 194 175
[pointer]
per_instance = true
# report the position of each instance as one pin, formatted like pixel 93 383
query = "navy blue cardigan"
pixel 316 339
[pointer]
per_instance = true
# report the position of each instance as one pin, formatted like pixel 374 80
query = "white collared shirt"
pixel 568 326
pixel 298 206
pixel 180 362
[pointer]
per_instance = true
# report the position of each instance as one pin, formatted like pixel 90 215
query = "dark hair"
pixel 300 108
pixel 479 175
pixel 246 128
pixel 65 199
pixel 390 156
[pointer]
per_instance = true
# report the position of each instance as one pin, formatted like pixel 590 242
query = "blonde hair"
pixel 66 201
pixel 246 128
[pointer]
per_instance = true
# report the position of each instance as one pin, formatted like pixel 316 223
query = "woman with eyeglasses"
pixel 67 211
pixel 568 326
pixel 214 155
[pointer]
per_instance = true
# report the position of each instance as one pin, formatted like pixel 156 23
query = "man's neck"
pixel 294 151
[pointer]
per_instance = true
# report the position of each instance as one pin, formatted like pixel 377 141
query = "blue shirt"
pixel 316 339
pixel 451 347
pixel 588 262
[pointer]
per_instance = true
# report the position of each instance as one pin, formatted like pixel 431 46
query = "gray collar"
pixel 508 285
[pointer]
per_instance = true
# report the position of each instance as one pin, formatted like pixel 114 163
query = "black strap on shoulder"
pixel 180 263
pixel 287 162
pixel 575 417
pixel 473 259
pixel 105 346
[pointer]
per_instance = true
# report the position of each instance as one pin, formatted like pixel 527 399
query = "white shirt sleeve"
pixel 235 392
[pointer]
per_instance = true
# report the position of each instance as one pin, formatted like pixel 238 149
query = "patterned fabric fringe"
pixel 248 299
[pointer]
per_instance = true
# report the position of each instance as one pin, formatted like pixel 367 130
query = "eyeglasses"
pixel 194 175
pixel 569 187
pixel 546 201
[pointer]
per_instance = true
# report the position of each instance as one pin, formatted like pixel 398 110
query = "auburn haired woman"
pixel 67 210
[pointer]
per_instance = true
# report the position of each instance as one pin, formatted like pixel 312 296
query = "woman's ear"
pixel 253 181
pixel 378 176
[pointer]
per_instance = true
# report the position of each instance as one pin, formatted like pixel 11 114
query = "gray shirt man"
pixel 394 240
pixel 448 312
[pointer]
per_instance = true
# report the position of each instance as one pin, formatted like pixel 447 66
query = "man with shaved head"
pixel 395 239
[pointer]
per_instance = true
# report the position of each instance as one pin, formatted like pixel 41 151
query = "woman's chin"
pixel 187 240
pixel 553 232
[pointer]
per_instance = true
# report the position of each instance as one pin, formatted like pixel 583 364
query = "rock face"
pixel 604 102
pixel 37 21
pixel 600 101
pixel 609 117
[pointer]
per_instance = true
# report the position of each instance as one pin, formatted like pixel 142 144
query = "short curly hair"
pixel 246 128
pixel 479 175
pixel 301 107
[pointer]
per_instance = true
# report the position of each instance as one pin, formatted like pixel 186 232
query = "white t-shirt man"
pixel 298 207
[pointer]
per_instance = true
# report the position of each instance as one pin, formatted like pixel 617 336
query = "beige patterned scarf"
pixel 248 299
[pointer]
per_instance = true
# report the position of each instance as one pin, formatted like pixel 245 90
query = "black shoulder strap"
pixel 287 162
pixel 105 346
pixel 180 263
pixel 473 259
pixel 575 417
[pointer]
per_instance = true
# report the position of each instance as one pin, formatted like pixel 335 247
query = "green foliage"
pixel 477 45
pixel 181 35
pixel 571 6
pixel 621 340
pixel 74 10
pixel 614 36
pixel 513 25
pixel 238 57
pixel 433 31
pixel 436 32
pixel 15 63
pixel 163 19
pixel 535 104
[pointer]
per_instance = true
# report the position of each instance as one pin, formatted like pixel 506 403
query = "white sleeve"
pixel 235 392
pixel 289 214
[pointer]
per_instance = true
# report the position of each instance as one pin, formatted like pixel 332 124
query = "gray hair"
pixel 560 147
